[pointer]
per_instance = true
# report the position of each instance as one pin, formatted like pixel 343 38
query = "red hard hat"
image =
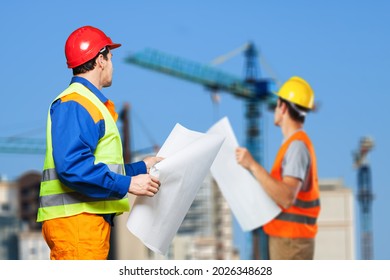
pixel 84 44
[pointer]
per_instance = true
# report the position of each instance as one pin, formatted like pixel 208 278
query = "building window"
pixel 5 207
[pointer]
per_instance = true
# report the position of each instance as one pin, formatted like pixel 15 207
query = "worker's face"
pixel 107 71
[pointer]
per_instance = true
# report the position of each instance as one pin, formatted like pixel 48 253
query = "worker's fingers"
pixel 150 161
pixel 153 185
pixel 144 185
pixel 239 154
pixel 155 181
pixel 153 190
pixel 149 193
pixel 243 157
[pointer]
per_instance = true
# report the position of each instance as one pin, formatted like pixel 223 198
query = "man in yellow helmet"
pixel 292 182
pixel 85 181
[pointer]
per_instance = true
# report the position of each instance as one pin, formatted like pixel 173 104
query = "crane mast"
pixel 365 196
pixel 254 141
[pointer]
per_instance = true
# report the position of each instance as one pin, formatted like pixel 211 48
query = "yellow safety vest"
pixel 58 200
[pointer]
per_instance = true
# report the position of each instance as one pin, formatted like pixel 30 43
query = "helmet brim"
pixel 114 46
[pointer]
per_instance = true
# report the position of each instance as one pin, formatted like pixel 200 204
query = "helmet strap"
pixel 300 112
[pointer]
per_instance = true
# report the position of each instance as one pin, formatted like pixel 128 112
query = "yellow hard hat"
pixel 297 91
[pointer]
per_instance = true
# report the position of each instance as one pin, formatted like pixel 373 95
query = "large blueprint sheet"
pixel 189 156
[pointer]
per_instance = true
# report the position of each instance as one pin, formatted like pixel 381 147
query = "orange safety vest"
pixel 299 220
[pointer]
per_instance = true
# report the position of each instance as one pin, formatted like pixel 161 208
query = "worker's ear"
pixel 283 107
pixel 100 61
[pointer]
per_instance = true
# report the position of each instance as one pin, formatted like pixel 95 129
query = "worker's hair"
pixel 90 64
pixel 295 114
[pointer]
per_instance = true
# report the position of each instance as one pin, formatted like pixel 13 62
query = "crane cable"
pixel 262 61
pixel 268 69
pixel 222 58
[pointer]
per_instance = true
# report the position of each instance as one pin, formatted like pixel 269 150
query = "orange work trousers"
pixel 80 237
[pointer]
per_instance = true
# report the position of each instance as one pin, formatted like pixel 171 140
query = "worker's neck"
pixel 289 127
pixel 93 78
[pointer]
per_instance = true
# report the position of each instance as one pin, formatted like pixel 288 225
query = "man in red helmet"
pixel 85 181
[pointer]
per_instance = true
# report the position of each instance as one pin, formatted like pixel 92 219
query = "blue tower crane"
pixel 255 91
pixel 365 196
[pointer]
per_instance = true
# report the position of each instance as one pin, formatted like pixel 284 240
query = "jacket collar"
pixel 90 86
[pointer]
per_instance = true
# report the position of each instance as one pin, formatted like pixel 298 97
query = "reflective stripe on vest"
pixel 58 200
pixel 307 204
pixel 69 197
pixel 296 218
pixel 51 174
pixel 300 220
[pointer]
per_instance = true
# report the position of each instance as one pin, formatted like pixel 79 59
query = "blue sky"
pixel 340 47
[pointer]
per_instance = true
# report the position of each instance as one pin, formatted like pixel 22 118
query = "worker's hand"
pixel 150 161
pixel 244 158
pixel 144 185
